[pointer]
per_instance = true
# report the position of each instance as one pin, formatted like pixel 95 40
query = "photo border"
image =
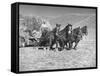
pixel 53 5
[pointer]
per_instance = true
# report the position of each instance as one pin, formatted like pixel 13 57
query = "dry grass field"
pixel 32 59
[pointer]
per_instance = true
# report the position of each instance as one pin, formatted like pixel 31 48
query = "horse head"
pixel 77 32
pixel 69 28
pixel 84 30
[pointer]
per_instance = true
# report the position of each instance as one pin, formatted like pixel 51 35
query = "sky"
pixel 50 11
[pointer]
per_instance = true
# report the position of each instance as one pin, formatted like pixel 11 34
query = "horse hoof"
pixel 60 49
pixel 75 49
pixel 68 48
pixel 51 48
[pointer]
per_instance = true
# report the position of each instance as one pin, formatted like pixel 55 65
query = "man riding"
pixel 57 34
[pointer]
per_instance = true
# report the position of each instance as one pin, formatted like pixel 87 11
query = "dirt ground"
pixel 32 59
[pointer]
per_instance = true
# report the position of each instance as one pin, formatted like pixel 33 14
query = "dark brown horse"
pixel 65 36
pixel 49 38
pixel 44 39
pixel 77 35
pixel 84 30
pixel 54 37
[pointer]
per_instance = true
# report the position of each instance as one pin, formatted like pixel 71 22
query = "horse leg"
pixel 51 44
pixel 67 45
pixel 61 43
pixel 70 45
pixel 51 47
pixel 76 43
pixel 56 44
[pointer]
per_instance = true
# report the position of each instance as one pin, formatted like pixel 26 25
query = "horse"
pixel 84 30
pixel 55 36
pixel 64 36
pixel 77 35
pixel 44 39
pixel 49 38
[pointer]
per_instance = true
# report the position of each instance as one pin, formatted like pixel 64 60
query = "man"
pixel 57 37
pixel 57 29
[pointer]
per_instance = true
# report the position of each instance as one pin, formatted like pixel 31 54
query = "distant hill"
pixel 74 19
pixel 89 21
pixel 78 20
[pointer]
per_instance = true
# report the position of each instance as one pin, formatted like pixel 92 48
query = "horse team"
pixel 65 37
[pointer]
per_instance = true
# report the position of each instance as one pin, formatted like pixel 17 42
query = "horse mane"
pixel 84 29
pixel 64 29
pixel 76 30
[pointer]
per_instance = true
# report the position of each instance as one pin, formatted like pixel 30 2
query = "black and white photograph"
pixel 55 37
